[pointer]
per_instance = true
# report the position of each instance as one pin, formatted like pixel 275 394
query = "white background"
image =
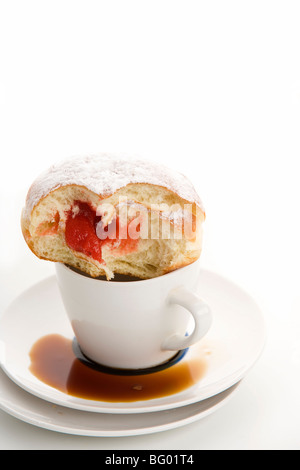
pixel 211 88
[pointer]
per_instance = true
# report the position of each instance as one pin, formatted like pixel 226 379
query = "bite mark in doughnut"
pixel 81 233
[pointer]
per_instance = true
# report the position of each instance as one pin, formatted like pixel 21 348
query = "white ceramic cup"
pixel 136 324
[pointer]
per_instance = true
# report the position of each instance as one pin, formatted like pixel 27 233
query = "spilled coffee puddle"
pixel 54 362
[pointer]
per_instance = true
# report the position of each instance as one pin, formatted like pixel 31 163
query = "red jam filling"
pixel 81 234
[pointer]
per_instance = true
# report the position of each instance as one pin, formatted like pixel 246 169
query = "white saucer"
pixel 231 347
pixel 30 409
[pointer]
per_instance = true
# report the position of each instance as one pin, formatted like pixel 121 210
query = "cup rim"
pixel 154 279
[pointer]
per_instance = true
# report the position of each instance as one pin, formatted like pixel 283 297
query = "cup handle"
pixel 199 310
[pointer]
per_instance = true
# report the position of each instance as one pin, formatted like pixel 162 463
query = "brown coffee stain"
pixel 54 362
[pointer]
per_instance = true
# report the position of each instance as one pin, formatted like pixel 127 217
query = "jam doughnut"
pixel 109 214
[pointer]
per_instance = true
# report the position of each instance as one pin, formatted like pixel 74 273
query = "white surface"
pixel 212 88
pixel 230 349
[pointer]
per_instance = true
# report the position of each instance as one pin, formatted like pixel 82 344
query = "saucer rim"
pixel 31 414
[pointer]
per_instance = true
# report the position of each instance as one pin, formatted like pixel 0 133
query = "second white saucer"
pixel 26 407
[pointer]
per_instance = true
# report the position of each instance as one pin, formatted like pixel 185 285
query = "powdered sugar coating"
pixel 106 173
